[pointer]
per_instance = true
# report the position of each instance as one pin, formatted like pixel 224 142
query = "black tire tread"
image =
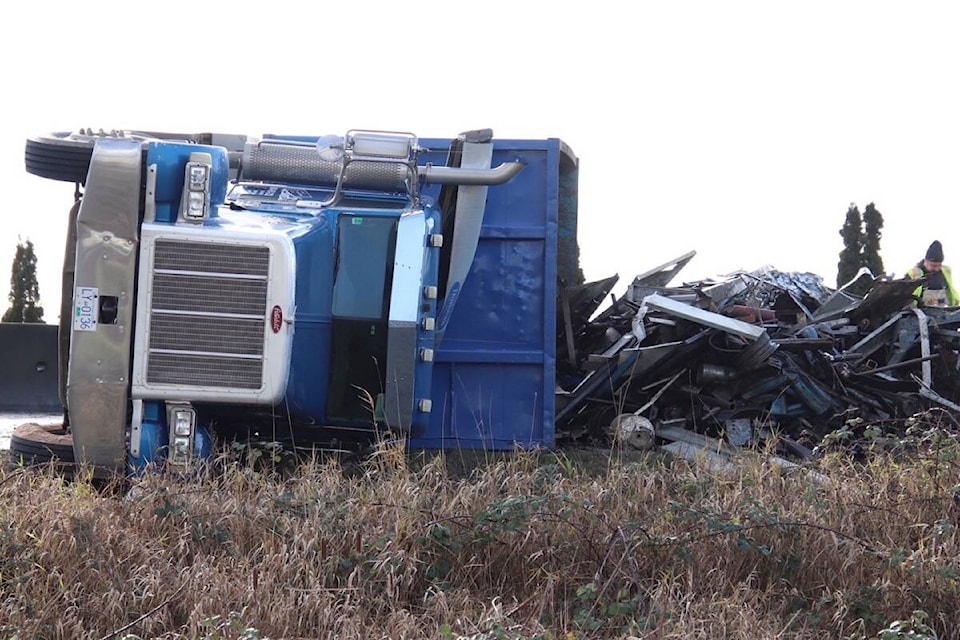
pixel 33 444
pixel 48 159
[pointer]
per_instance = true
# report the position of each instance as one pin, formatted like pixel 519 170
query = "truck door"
pixel 384 300
pixel 364 270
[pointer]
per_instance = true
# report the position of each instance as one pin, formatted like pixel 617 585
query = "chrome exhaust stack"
pixel 362 159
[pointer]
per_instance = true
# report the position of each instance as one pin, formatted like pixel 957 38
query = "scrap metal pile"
pixel 753 354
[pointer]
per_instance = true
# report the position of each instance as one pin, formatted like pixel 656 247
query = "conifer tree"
pixel 873 223
pixel 852 234
pixel 24 291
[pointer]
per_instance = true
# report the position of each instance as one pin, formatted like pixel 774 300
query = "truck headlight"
pixel 195 202
pixel 182 420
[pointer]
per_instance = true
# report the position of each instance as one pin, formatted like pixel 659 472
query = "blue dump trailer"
pixel 309 289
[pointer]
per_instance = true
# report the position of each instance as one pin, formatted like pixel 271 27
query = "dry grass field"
pixel 530 545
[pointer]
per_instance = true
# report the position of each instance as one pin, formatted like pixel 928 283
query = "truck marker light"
pixel 381 144
pixel 276 318
pixel 180 451
pixel 195 205
pixel 183 422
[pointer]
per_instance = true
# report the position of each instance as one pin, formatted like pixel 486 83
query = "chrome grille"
pixel 179 292
pixel 205 371
pixel 208 314
pixel 197 333
pixel 211 257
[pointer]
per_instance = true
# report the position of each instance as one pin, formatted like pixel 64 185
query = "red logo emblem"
pixel 276 319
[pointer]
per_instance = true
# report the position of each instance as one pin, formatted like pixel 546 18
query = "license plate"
pixel 85 309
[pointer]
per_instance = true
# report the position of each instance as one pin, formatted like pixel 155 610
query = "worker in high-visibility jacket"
pixel 938 291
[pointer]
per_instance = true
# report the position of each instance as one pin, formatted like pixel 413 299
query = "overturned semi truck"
pixel 309 289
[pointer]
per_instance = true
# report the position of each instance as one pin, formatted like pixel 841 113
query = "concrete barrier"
pixel 28 367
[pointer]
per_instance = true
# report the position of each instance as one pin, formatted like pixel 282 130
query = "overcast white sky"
pixel 741 130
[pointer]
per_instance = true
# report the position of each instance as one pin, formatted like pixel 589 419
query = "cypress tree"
pixel 852 234
pixel 24 291
pixel 873 223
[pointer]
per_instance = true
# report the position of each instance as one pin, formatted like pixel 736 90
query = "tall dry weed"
pixel 531 545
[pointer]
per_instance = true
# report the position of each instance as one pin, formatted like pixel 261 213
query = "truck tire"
pixel 34 444
pixel 62 156
pixel 65 155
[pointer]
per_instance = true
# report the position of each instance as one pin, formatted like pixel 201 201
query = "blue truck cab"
pixel 310 289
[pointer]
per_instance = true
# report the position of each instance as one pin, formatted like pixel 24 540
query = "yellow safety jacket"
pixel 946 297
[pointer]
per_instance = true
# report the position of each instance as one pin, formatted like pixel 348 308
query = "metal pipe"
pixel 715 373
pixel 431 174
pixel 902 363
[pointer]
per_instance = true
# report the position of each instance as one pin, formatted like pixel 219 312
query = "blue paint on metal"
pixel 171 160
pixel 153 436
pixel 494 375
pixel 309 365
pixel 316 241
pixel 449 304
pixel 426 339
pixel 492 378
pixel 203 442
